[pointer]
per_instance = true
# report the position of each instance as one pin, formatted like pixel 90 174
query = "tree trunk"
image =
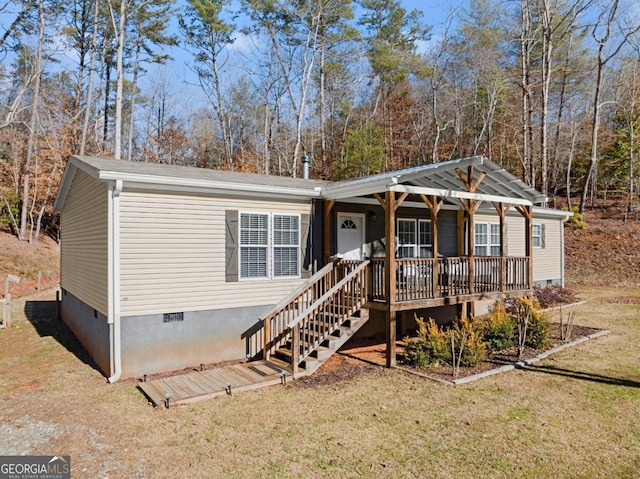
pixel 89 96
pixel 33 126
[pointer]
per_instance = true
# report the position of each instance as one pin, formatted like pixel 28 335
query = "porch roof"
pixel 441 179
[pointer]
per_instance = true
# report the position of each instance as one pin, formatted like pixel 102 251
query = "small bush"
pixel 499 330
pixel 552 295
pixel 431 347
pixel 537 331
pixel 468 336
pixel 578 220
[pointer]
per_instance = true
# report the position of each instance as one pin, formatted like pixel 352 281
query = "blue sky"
pixel 435 14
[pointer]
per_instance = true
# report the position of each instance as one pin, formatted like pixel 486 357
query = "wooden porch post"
pixel 527 213
pixel 471 241
pixel 502 210
pixel 327 206
pixel 434 204
pixel 528 227
pixel 390 275
pixel 471 206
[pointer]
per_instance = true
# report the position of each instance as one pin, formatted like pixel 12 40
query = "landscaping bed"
pixel 498 359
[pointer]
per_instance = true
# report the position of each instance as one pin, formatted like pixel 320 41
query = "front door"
pixel 351 235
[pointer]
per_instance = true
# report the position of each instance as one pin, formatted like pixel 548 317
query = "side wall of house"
pixel 173 259
pixel 548 257
pixel 84 265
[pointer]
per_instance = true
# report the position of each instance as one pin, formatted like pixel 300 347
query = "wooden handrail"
pixel 300 289
pixel 432 278
pixel 329 293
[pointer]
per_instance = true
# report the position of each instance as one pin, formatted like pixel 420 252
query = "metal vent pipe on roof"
pixel 305 167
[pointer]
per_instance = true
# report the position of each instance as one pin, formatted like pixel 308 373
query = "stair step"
pixel 280 363
pixel 322 352
pixel 284 352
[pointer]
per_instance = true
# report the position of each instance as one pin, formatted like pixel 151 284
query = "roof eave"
pixel 188 184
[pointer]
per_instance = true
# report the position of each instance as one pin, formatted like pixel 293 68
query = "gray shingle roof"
pixel 186 172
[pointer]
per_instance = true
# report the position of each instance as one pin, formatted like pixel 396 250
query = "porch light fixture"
pixel 373 216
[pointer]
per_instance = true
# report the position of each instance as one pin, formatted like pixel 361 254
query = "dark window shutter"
pixel 232 245
pixel 542 238
pixel 305 246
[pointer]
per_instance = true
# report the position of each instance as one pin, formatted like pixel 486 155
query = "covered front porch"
pixel 448 267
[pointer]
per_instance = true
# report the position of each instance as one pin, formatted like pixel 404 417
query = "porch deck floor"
pixel 200 385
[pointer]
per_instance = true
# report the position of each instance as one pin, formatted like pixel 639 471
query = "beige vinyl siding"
pixel 84 244
pixel 172 254
pixel 547 260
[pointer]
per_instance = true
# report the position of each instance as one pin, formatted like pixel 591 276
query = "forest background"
pixel 549 89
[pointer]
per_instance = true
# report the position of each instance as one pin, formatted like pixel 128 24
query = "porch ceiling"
pixel 441 179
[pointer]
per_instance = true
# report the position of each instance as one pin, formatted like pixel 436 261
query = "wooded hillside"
pixel 549 89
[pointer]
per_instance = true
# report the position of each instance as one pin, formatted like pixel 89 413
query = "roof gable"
pixel 442 177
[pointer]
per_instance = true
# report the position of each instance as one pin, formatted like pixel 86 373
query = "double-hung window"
pixel 286 245
pixel 254 245
pixel 536 233
pixel 487 239
pixel 406 238
pixel 269 245
pixel 414 238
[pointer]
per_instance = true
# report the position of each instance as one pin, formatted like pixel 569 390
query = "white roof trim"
pixel 421 190
pixel 163 182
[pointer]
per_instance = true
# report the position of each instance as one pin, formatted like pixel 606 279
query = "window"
pixel 406 238
pixel 254 243
pixel 425 239
pixel 536 232
pixel 286 242
pixel 269 245
pixel 487 239
pixel 414 242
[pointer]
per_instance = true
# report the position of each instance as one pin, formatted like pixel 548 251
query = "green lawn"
pixel 574 415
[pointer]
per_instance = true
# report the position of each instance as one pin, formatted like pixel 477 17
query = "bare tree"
pixel 602 34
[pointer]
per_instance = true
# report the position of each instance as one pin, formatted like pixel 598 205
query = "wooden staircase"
pixel 323 351
pixel 301 332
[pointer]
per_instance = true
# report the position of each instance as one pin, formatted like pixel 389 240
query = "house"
pixel 165 267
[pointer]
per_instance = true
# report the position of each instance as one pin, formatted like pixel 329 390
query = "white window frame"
pixel 270 246
pixel 537 236
pixel 287 246
pixel 490 244
pixel 423 245
pixel 415 245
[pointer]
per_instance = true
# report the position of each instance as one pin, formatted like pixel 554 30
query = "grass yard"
pixel 574 415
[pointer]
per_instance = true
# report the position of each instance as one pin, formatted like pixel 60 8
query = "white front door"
pixel 351 235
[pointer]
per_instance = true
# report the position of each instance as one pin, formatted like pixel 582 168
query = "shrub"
pixel 499 330
pixel 551 295
pixel 578 220
pixel 467 335
pixel 537 328
pixel 431 347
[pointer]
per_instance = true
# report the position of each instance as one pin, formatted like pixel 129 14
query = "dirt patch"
pixel 606 252
pixel 27 262
pixel 337 369
pixel 624 300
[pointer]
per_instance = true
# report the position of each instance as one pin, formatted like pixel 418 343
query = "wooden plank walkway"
pixel 200 385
